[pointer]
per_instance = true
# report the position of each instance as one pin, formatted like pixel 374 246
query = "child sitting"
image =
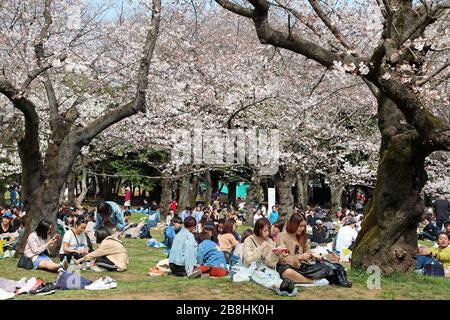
pixel 171 231
pixel 210 258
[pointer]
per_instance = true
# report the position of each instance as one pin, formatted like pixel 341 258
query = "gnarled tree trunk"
pixel 388 237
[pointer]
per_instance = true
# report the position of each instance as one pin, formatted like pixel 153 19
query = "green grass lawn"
pixel 136 284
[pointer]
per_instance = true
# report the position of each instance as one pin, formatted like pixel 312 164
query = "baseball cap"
pixel 7 215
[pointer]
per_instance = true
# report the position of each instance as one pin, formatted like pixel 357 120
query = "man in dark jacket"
pixel 429 231
pixel 442 207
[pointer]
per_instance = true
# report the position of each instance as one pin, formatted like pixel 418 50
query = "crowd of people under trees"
pixel 280 252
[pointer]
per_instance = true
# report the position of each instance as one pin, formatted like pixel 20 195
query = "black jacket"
pixel 442 209
pixel 431 229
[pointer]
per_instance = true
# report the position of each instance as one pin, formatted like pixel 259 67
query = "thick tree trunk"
pixel 253 190
pixel 336 188
pixel 283 181
pixel 71 182
pixel 184 188
pixel 209 187
pixel 84 189
pixel 194 191
pixel 302 190
pixel 232 193
pixel 388 237
pixel 166 195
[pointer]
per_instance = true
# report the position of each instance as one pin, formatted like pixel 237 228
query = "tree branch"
pixel 330 25
pixel 434 73
pixel 85 135
pixel 242 108
pixel 40 55
pixel 235 8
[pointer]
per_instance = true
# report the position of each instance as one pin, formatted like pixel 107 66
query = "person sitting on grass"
pixel 38 243
pixel 429 231
pixel 75 242
pixel 109 212
pixel 111 254
pixel 218 230
pixel 260 249
pixel 209 257
pixel 320 233
pixel 171 231
pixel 276 229
pixel 8 230
pixel 295 265
pixel 441 253
pixel 154 216
pixel 126 218
pixel 183 254
pixel 239 250
pixel 227 240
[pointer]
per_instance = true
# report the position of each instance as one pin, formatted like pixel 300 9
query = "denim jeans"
pixel 422 261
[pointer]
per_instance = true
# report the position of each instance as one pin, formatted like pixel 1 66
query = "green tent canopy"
pixel 241 189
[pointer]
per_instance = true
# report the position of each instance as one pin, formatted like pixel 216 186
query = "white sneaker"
pixel 7 254
pixel 110 282
pixel 98 284
pixel 316 283
pixel 102 284
pixel 4 295
pixel 13 252
pixel 321 282
pixel 27 286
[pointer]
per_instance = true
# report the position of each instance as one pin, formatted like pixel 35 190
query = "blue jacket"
pixel 209 255
pixel 184 250
pixel 153 218
pixel 116 217
pixel 273 217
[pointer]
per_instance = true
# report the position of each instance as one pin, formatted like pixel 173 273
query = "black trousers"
pixel 105 263
pixel 177 270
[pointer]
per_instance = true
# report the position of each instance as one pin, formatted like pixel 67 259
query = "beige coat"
pixel 286 240
pixel 254 253
pixel 113 249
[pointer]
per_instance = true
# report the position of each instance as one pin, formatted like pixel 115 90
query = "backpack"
pixel 434 268
pixel 144 233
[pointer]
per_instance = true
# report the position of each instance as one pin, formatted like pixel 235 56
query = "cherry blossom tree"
pixel 397 61
pixel 55 65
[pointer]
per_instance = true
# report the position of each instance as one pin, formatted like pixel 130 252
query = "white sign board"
pixel 271 199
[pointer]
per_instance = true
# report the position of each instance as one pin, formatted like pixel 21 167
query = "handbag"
pixel 25 263
pixel 434 268
pixel 316 271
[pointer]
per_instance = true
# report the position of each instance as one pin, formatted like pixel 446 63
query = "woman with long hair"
pixel 227 241
pixel 295 265
pixel 259 248
pixel 38 243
